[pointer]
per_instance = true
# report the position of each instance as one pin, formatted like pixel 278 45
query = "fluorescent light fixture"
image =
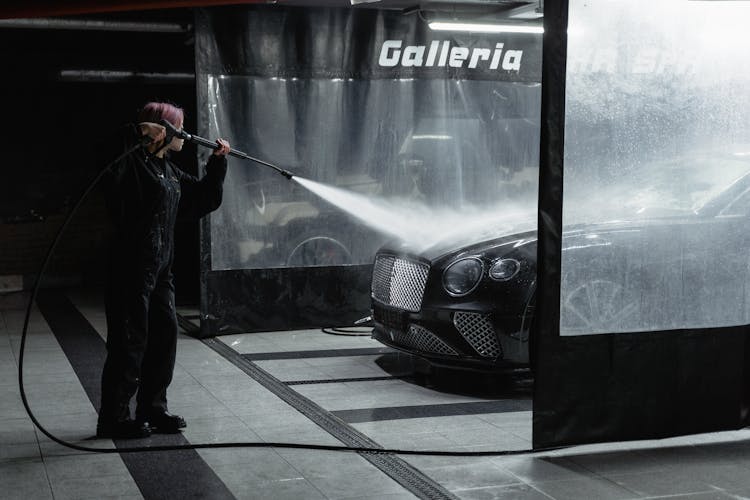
pixel 485 28
pixel 82 75
pixel 438 137
pixel 528 11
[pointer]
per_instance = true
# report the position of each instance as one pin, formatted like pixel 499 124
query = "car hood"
pixel 524 231
pixel 469 237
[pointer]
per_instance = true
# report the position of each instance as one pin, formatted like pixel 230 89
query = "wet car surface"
pixel 472 305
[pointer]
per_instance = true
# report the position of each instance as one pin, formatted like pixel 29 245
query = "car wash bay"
pixel 260 358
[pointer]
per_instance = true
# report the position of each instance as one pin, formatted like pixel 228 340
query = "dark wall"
pixel 51 127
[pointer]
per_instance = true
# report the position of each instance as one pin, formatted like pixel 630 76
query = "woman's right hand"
pixel 156 132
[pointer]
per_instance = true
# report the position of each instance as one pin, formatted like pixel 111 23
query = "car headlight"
pixel 504 269
pixel 462 276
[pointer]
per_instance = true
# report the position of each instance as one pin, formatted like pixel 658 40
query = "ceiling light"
pixel 485 28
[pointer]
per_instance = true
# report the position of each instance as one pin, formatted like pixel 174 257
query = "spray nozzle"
pixel 286 173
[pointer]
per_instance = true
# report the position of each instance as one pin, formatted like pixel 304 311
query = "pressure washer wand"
pixel 181 134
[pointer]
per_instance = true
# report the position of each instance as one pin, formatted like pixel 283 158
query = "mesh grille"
pixel 395 320
pixel 423 340
pixel 399 282
pixel 477 330
pixel 381 278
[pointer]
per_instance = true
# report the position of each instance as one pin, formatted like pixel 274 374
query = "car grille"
pixel 478 331
pixel 422 340
pixel 390 318
pixel 399 282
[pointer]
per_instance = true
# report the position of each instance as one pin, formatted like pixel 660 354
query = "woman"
pixel 145 191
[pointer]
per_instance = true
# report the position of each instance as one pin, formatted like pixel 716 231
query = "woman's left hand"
pixel 222 148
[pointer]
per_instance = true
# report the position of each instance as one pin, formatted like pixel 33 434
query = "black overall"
pixel 144 194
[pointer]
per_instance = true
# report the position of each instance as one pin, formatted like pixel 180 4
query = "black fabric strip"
pixel 176 474
pixel 342 380
pixel 329 353
pixel 443 410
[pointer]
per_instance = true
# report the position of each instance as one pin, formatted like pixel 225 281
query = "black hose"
pixel 139 449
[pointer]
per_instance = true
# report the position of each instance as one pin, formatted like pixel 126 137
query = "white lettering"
pixel 444 54
pixel 441 53
pixel 432 53
pixel 496 56
pixel 478 54
pixel 413 55
pixel 512 60
pixel 386 59
pixel 458 56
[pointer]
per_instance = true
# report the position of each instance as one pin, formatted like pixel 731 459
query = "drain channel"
pixel 398 469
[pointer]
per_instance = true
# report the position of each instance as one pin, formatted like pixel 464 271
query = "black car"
pixel 472 305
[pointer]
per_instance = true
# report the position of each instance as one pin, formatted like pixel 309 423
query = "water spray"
pixel 172 132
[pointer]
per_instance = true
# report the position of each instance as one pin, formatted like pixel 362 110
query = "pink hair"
pixel 155 111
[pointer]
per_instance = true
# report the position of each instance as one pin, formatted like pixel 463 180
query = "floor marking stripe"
pixel 346 380
pixel 440 410
pixel 323 353
pixel 399 470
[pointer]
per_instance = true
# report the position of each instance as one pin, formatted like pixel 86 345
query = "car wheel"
pixel 319 251
pixel 598 306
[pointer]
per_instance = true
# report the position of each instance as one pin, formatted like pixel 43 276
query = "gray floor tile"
pixel 536 469
pixel 82 466
pixel 286 489
pixel 16 431
pixel 272 468
pixel 24 452
pixel 288 370
pixel 424 441
pixel 511 418
pixel 481 474
pixel 489 438
pixel 686 479
pixel 316 463
pixel 219 429
pixel 737 452
pixel 245 457
pixel 584 488
pixel 616 462
pixel 24 481
pixel 714 495
pixel 44 343
pixel 393 496
pixel 319 438
pixel 94 487
pixel 432 461
pixel 343 485
pixel 261 408
pixel 279 431
pixel 511 492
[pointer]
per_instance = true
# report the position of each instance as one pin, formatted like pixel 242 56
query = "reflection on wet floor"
pixel 396 398
pixel 515 383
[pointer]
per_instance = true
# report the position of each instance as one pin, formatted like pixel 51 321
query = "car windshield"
pixel 700 183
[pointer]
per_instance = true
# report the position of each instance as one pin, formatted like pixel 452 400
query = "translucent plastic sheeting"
pixel 423 149
pixel 657 147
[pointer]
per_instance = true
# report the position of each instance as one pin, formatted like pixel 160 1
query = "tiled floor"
pixel 370 393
